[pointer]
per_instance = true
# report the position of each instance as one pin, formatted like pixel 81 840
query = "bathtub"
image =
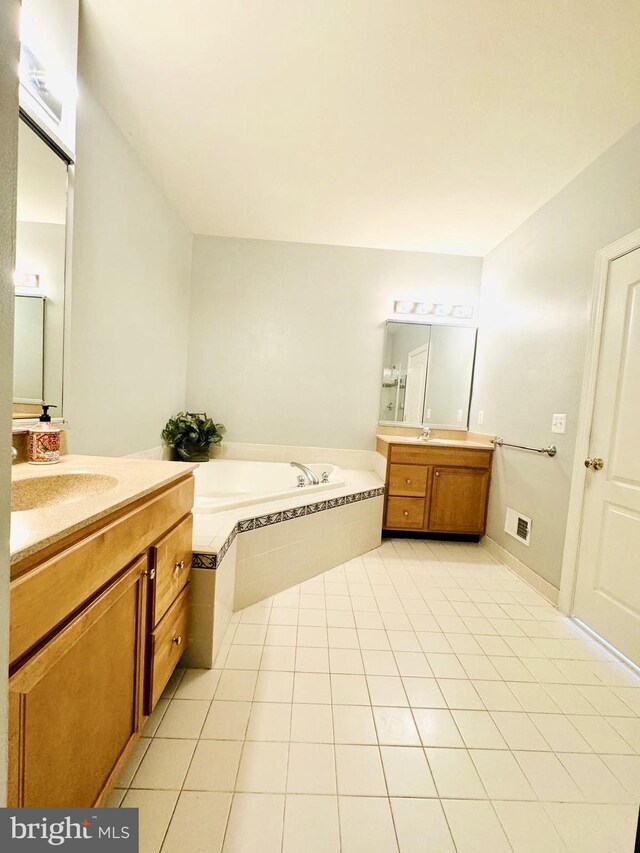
pixel 223 484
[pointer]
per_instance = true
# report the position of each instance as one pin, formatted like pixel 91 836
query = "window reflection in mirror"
pixel 40 275
pixel 427 374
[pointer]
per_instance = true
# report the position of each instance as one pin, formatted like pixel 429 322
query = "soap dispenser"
pixel 44 440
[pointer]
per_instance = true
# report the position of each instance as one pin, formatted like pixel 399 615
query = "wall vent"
pixel 518 526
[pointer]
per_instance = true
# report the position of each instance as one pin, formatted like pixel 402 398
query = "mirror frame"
pixel 421 424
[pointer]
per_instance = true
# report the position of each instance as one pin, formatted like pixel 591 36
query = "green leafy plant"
pixel 190 434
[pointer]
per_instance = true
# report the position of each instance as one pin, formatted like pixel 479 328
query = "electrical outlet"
pixel 481 416
pixel 428 414
pixel 559 424
pixel 459 416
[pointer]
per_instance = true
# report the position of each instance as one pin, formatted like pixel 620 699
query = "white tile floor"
pixel 419 699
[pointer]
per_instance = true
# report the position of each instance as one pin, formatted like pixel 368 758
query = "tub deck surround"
pixel 362 460
pixel 36 529
pixel 214 532
pixel 226 484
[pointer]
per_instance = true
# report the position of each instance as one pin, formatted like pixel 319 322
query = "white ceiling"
pixel 434 125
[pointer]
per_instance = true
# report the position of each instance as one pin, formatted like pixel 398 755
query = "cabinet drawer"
pixel 409 480
pixel 429 455
pixel 405 513
pixel 172 561
pixel 168 641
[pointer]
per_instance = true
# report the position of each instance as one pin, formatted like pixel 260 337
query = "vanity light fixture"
pixel 404 307
pixel 436 309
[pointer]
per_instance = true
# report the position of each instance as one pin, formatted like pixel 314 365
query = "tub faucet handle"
pixel 301 482
pixel 325 476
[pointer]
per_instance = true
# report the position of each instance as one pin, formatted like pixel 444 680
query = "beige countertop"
pixel 437 442
pixel 34 529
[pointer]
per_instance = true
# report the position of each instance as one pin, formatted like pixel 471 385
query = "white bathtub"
pixel 223 484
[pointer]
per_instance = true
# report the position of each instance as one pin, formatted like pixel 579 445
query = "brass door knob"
pixel 594 462
pixel 177 640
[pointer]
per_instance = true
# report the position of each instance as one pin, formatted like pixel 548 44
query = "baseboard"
pixel 540 585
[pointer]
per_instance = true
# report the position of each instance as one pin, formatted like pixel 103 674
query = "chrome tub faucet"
pixel 312 479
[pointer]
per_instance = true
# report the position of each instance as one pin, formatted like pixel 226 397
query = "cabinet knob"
pixel 405 513
pixel 437 473
pixel 177 640
pixel 179 566
pixel 408 481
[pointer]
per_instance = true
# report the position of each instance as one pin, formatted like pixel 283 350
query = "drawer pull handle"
pixel 177 640
pixel 179 566
pixel 408 481
pixel 405 513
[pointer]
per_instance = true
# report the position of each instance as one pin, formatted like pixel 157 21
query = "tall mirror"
pixel 40 275
pixel 427 374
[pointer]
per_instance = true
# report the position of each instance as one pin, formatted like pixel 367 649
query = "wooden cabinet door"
pixel 458 500
pixel 76 705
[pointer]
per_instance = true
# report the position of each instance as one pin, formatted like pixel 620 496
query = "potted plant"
pixel 190 435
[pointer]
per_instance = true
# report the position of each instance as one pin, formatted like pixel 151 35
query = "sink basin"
pixel 56 489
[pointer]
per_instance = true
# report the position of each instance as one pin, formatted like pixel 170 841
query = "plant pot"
pixel 192 453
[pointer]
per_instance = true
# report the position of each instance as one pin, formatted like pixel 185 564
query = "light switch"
pixel 481 416
pixel 559 424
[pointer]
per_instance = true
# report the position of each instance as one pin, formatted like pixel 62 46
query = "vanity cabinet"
pixel 76 705
pixel 437 489
pixel 98 624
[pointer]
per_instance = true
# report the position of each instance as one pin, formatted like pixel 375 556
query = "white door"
pixel 416 384
pixel 607 595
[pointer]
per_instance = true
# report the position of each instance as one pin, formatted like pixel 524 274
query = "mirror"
pixel 40 275
pixel 427 374
pixel 28 370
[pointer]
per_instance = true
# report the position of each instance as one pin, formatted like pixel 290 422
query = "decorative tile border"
pixel 212 561
pixel 204 561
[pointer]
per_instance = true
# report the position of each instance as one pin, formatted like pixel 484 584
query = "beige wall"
pixel 536 287
pixel 127 354
pixel 286 339
pixel 9 10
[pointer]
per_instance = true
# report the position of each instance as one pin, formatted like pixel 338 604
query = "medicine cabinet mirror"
pixel 427 375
